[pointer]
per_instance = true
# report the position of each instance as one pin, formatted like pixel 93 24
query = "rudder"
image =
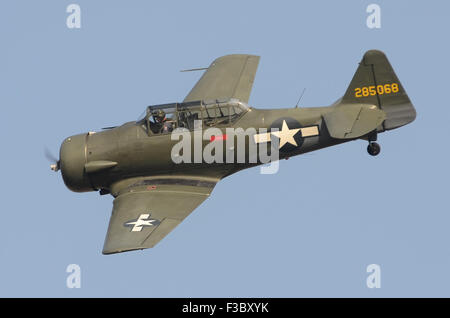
pixel 375 82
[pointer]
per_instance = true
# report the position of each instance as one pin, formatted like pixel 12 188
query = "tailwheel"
pixel 373 148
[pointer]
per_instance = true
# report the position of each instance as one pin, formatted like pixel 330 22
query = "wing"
pixel 146 211
pixel 229 76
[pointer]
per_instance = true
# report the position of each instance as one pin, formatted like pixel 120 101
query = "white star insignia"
pixel 140 222
pixel 286 135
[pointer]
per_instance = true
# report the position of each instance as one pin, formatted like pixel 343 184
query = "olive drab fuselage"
pixel 138 152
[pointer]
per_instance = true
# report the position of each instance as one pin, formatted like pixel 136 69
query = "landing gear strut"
pixel 373 148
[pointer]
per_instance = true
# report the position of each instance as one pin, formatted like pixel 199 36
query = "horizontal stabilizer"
pixel 353 121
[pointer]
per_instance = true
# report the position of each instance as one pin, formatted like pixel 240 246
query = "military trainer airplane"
pixel 153 194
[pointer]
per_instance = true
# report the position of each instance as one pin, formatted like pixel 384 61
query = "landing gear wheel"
pixel 373 149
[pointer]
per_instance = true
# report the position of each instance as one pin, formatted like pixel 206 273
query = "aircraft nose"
pixel 72 160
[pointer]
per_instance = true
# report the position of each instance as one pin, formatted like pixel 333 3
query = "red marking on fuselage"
pixel 221 137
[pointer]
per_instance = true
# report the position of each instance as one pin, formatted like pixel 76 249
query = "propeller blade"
pixel 50 157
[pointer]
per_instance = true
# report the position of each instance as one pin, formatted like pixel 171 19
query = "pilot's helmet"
pixel 159 115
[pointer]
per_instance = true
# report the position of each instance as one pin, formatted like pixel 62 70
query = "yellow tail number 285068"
pixel 373 90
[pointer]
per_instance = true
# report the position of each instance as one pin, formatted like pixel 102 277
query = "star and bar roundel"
pixel 142 221
pixel 290 132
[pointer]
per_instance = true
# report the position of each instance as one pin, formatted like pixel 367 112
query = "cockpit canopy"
pixel 166 117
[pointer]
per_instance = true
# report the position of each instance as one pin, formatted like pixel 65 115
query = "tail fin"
pixel 375 83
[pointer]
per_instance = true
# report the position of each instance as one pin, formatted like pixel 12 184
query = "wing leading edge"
pixel 148 209
pixel 229 76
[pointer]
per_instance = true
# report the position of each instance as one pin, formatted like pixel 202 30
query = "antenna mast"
pixel 303 92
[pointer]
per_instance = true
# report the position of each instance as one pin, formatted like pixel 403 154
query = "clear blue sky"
pixel 309 230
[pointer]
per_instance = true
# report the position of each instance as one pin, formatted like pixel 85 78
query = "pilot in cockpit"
pixel 163 125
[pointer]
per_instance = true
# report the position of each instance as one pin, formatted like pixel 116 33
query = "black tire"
pixel 373 149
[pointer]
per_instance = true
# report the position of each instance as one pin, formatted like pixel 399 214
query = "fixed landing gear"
pixel 373 148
